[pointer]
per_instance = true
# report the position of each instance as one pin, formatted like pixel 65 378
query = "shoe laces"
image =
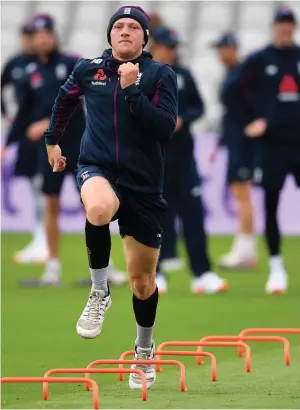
pixel 95 307
pixel 143 355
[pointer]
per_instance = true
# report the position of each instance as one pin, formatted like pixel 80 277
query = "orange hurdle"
pixel 57 380
pixel 121 362
pixel 177 353
pixel 286 343
pixel 85 380
pixel 282 330
pixel 212 344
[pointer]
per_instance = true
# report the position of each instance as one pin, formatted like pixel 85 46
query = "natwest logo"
pixel 100 75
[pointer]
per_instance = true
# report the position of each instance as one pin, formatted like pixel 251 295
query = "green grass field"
pixel 38 333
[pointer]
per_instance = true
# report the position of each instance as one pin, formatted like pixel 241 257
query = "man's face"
pixel 26 43
pixel 283 33
pixel 227 54
pixel 164 54
pixel 127 38
pixel 43 41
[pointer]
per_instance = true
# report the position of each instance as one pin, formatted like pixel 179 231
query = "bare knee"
pixel 100 201
pixel 242 193
pixel 99 214
pixel 142 284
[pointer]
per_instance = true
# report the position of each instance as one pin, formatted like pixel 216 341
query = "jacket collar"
pixel 113 64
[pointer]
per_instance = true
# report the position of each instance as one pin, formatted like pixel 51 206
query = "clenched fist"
pixel 56 160
pixel 128 73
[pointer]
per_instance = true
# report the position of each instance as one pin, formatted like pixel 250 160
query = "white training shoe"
pixel 135 381
pixel 209 282
pixel 172 264
pixel 278 280
pixel 90 322
pixel 236 260
pixel 162 284
pixel 32 253
pixel 52 274
pixel 116 277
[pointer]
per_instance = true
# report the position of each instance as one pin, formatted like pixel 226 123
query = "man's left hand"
pixel 36 130
pixel 128 73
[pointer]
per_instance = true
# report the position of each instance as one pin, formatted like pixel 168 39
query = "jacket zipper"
pixel 115 122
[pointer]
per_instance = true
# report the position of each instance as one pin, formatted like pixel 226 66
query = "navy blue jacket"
pixel 190 108
pixel 268 85
pixel 235 117
pixel 37 92
pixel 127 129
pixel 12 74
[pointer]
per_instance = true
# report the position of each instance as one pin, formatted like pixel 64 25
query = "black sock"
pixel 145 310
pixel 98 243
pixel 272 233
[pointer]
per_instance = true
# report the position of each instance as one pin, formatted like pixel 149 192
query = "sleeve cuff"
pixel 130 91
pixel 51 140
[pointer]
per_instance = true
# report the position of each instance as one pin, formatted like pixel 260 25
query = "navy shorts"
pixel 27 158
pixel 275 164
pixel 141 215
pixel 53 181
pixel 241 158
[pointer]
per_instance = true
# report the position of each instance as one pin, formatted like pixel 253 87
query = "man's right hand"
pixel 256 128
pixel 56 160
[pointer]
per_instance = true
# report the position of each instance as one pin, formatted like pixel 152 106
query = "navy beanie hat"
pixel 42 22
pixel 132 12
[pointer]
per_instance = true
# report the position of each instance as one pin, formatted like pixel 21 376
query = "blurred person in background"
pixel 156 21
pixel 240 166
pixel 182 186
pixel 14 68
pixel 169 259
pixel 38 92
pixel 27 152
pixel 268 85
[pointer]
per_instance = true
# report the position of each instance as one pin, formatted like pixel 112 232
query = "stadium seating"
pixel 82 28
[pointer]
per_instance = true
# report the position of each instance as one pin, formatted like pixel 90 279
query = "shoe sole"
pixel 136 386
pixel 223 288
pixel 33 262
pixel 84 335
pixel 276 292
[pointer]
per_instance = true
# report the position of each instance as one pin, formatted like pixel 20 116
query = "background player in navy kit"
pixel 121 167
pixel 27 151
pixel 268 84
pixel 13 69
pixel 156 21
pixel 38 91
pixel 241 151
pixel 182 187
